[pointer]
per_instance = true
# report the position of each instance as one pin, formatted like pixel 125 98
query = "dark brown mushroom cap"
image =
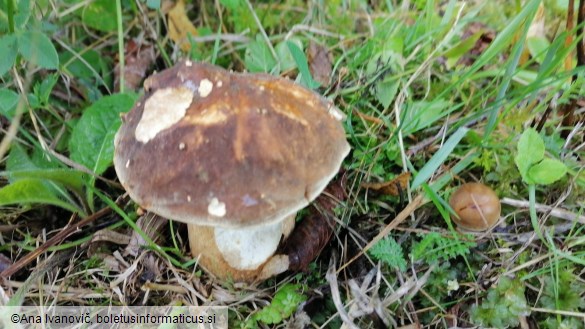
pixel 210 147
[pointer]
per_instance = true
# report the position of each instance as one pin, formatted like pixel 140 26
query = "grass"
pixel 441 89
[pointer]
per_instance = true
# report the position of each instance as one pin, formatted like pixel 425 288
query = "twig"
pixel 559 312
pixel 312 29
pixel 409 209
pixel 331 277
pixel 580 47
pixel 555 212
pixel 410 287
pixel 221 36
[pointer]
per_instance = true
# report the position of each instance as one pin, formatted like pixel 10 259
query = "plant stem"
pixel 10 12
pixel 532 207
pixel 120 43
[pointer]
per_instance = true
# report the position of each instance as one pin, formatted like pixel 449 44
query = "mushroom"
pixel 234 156
pixel 477 207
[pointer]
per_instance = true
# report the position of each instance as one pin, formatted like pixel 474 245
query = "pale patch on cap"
pixel 205 88
pixel 216 208
pixel 162 110
pixel 210 116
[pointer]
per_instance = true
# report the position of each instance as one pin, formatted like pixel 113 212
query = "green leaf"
pixel 547 171
pixel 37 48
pixel 42 90
pixel 287 62
pixel 386 61
pixel 231 4
pixel 8 101
pixel 153 4
pixel 258 57
pixel 537 46
pixel 283 305
pixel 90 67
pixel 385 90
pixel 463 47
pixel 303 65
pixel 69 178
pixel 33 190
pixel 92 139
pixel 422 114
pixel 22 13
pixel 438 158
pixel 530 151
pixel 504 304
pixel 18 159
pixel 434 248
pixel 100 15
pixel 390 252
pixel 8 47
pixel 19 166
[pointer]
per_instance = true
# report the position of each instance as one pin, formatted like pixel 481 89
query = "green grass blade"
pixel 438 158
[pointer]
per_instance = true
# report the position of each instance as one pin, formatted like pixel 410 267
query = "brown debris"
pixel 139 58
pixel 151 224
pixel 393 187
pixel 320 63
pixel 180 26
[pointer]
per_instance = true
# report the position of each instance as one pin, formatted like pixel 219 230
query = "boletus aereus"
pixel 234 156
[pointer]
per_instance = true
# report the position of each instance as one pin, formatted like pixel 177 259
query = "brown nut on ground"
pixel 234 156
pixel 477 207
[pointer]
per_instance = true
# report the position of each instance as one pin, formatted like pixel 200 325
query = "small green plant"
pixel 23 39
pixel 441 283
pixel 91 145
pixel 567 323
pixel 536 169
pixel 283 305
pixel 532 164
pixel 389 251
pixel 434 248
pixel 502 306
pixel 562 293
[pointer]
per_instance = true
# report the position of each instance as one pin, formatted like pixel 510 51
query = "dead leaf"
pixel 180 27
pixel 139 59
pixel 107 235
pixel 536 34
pixel 393 187
pixel 103 239
pixel 320 63
pixel 368 118
pixel 569 38
pixel 150 224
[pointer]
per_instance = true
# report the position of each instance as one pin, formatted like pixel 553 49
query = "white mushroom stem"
pixel 248 248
